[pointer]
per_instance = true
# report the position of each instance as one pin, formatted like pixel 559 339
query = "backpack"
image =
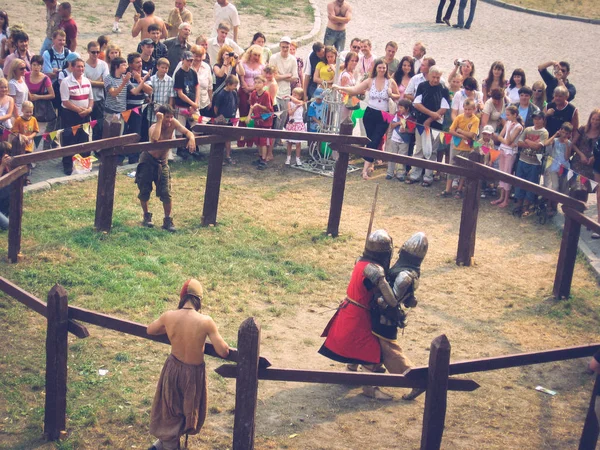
pixel 56 102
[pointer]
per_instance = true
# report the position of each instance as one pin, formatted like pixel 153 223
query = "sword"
pixel 372 213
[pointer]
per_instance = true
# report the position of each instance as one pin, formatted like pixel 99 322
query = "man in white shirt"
pixel 287 72
pixel 366 60
pixel 95 71
pixel 419 78
pixel 419 51
pixel 226 12
pixel 221 39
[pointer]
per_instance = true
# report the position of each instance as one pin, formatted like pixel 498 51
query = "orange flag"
pixel 125 115
pixel 494 154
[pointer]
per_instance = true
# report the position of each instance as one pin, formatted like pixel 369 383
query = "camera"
pixel 459 62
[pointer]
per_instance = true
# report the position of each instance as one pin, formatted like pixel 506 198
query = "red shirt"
pixel 263 99
pixel 70 28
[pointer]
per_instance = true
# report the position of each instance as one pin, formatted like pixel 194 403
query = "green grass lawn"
pixel 582 8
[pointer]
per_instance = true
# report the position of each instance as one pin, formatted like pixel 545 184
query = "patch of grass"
pixel 581 8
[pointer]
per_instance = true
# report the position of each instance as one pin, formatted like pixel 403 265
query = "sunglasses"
pixel 95 52
pixel 538 90
pixel 22 68
pixel 469 89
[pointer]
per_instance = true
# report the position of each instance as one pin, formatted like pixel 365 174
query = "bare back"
pixel 145 22
pixel 187 331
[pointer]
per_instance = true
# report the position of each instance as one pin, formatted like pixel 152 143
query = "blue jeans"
pixel 3 222
pixel 46 45
pixel 529 172
pixel 335 38
pixel 461 13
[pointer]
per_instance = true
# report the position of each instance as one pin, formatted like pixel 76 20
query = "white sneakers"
pixel 115 28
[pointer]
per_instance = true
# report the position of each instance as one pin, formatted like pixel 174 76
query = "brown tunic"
pixel 179 405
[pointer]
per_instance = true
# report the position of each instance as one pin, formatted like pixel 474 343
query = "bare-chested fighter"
pixel 179 405
pixel 140 25
pixel 339 13
pixel 154 165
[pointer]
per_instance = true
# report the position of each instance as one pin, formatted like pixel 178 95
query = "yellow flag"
pixel 53 135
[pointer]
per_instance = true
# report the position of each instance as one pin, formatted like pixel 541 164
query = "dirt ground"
pixel 500 306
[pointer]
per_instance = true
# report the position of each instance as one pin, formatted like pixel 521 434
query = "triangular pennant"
pixel 75 128
pixel 235 121
pixel 494 155
pixel 539 157
pixel 583 179
pixel 485 149
pixel 125 115
pixel 265 116
pixel 86 127
pixel 358 113
pixel 136 110
pixel 442 136
pixel 594 185
pixel 570 174
pixel 411 126
pixel 447 138
pixel 46 136
pixel 278 113
pixel 386 116
pixel 403 123
pixel 93 123
pixel 456 141
pixel 561 170
pixel 477 144
pixel 37 140
pixel 244 119
pixel 251 123
pixel 435 133
pixel 52 135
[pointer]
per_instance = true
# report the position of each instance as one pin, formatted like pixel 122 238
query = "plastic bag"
pixel 82 165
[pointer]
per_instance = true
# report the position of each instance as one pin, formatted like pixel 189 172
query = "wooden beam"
pixel 13 175
pixel 73 150
pixel 345 378
pixel 16 207
pixel 139 330
pixel 507 361
pixel 589 434
pixel 163 145
pixel 55 409
pixel 338 186
pixel 467 234
pixel 233 133
pixel 246 385
pixel 434 415
pixel 107 178
pixel 212 188
pixel 384 156
pixel 567 257
pixel 486 172
pixel 584 220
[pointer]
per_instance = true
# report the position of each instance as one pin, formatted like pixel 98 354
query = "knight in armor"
pixel 364 328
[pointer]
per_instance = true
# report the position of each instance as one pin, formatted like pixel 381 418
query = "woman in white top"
pixel 469 90
pixel 17 88
pixel 381 89
pixel 516 82
pixel 348 79
pixel 493 109
pixel 7 105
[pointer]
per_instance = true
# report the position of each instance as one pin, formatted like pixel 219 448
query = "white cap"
pixel 286 39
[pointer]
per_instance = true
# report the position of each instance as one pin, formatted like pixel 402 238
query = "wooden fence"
pixel 250 367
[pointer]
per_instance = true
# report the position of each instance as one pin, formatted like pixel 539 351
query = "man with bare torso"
pixel 179 405
pixel 339 13
pixel 154 165
pixel 140 25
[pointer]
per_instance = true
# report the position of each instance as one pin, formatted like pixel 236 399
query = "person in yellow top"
pixel 465 127
pixel 177 16
pixel 325 70
pixel 27 125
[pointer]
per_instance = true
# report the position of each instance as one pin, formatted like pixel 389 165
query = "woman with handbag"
pixel 41 92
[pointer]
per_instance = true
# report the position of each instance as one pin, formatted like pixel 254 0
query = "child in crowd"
pixel 443 152
pixel 558 149
pixel 315 111
pixel 508 150
pixel 528 167
pixel 226 105
pixel 272 88
pixel 400 139
pixel 27 126
pixel 465 127
pixel 162 88
pixel 295 123
pixel 487 143
pixel 103 43
pixel 261 103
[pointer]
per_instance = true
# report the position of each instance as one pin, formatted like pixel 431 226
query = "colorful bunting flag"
pixel 456 141
pixel 251 123
pixel 435 133
pixel 411 126
pixel 265 116
pixel 93 123
pixel 570 174
pixel 235 121
pixel 477 144
pixel 539 157
pixel 494 155
pixel 125 115
pixel 358 114
pixel 583 179
pixel 485 149
pixel 594 185
pixel 52 135
pixel 448 138
pixel 386 116
pixel 136 110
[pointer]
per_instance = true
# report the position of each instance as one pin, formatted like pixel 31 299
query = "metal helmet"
pixel 411 254
pixel 379 248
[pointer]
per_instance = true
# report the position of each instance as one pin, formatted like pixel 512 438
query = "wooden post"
pixel 246 387
pixel 339 184
pixel 589 435
pixel 468 218
pixel 434 415
pixel 213 184
pixel 568 252
pixel 15 214
pixel 55 409
pixel 107 177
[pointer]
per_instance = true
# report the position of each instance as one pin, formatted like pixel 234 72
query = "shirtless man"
pixel 154 165
pixel 140 26
pixel 183 376
pixel 339 13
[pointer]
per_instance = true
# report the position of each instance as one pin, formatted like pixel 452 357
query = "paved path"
pixel 517 39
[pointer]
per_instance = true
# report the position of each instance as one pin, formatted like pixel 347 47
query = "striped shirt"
pixel 78 93
pixel 118 104
pixel 162 91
